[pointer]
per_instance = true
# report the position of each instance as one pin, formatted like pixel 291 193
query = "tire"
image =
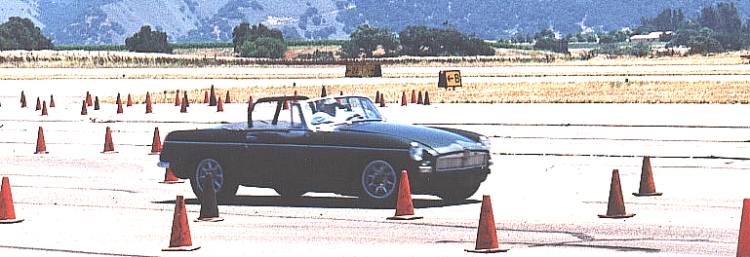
pixel 224 186
pixel 458 193
pixel 378 183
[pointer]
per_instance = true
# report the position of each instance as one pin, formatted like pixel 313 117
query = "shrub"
pixel 148 41
pixel 21 33
pixel 264 47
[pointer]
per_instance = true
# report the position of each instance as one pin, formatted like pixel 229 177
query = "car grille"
pixel 463 160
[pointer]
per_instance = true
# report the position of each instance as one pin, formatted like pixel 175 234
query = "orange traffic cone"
pixel 377 97
pixel 382 100
pixel 23 99
pixel 419 98
pixel 177 99
pixel 84 111
pixel 413 97
pixel 183 106
pixel 212 97
pixel 647 187
pixel 109 147
pixel 156 142
pixel 7 212
pixel 130 100
pixel 426 98
pixel 219 105
pixel 250 104
pixel 286 105
pixel 185 99
pixel 743 241
pixel 119 104
pixel 487 231
pixel 205 98
pixel 227 100
pixel 38 104
pixel 88 99
pixel 149 109
pixel 403 98
pixel 44 108
pixel 341 92
pixel 41 146
pixel 209 208
pixel 295 94
pixel 180 239
pixel 170 178
pixel 616 206
pixel 404 205
pixel 96 103
pixel 51 101
pixel 323 92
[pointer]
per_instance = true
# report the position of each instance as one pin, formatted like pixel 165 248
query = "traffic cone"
pixel 119 104
pixel 647 187
pixel 84 111
pixel 177 99
pixel 382 100
pixel 403 98
pixel 323 92
pixel 149 109
pixel 419 98
pixel 23 99
pixel 96 103
pixel 616 206
pixel 377 97
pixel 44 108
pixel 286 105
pixel 212 97
pixel 183 106
pixel 487 231
pixel 219 105
pixel 743 241
pixel 41 146
pixel 7 211
pixel 38 104
pixel 295 94
pixel 426 98
pixel 227 100
pixel 51 101
pixel 341 92
pixel 130 100
pixel 185 99
pixel 209 208
pixel 413 97
pixel 180 239
pixel 170 178
pixel 88 99
pixel 156 142
pixel 109 147
pixel 205 97
pixel 404 205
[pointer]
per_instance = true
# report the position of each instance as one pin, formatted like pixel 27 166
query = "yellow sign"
pixel 450 79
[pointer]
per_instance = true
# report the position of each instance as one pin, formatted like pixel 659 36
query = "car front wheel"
pixel 378 182
pixel 458 193
pixel 224 187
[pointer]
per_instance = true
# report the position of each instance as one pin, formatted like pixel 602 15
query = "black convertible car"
pixel 336 144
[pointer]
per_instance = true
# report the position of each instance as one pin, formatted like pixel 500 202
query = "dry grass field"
pixel 547 92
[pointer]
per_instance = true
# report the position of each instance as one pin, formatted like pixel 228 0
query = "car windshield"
pixel 343 109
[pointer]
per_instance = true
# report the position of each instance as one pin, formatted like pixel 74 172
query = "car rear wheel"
pixel 224 187
pixel 378 182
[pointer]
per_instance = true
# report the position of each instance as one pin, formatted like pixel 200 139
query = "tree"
pixel 148 41
pixel 547 40
pixel 704 43
pixel 424 41
pixel 264 47
pixel 244 32
pixel 21 33
pixel 366 39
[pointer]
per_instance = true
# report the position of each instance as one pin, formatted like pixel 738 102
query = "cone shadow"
pixel 320 202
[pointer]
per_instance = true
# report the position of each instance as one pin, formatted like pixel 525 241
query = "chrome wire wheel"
pixel 209 166
pixel 379 180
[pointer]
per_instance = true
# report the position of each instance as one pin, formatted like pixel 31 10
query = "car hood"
pixel 439 140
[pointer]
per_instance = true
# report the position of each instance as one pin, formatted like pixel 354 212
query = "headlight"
pixel 416 151
pixel 485 141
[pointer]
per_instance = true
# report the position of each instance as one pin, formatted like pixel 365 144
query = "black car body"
pixel 335 144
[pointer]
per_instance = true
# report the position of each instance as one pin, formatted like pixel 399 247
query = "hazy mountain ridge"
pixel 111 21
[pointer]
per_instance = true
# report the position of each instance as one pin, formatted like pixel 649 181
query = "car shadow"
pixel 320 202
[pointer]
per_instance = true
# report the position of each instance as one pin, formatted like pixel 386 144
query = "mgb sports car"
pixel 337 144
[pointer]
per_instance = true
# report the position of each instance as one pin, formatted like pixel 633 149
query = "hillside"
pixel 111 21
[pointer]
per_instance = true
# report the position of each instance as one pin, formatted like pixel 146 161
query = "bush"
pixel 21 33
pixel 244 32
pixel 365 40
pixel 320 56
pixel 148 41
pixel 264 47
pixel 424 41
pixel 547 40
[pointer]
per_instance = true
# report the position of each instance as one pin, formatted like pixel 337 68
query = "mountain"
pixel 111 21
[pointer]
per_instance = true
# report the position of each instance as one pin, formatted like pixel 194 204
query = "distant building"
pixel 651 37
